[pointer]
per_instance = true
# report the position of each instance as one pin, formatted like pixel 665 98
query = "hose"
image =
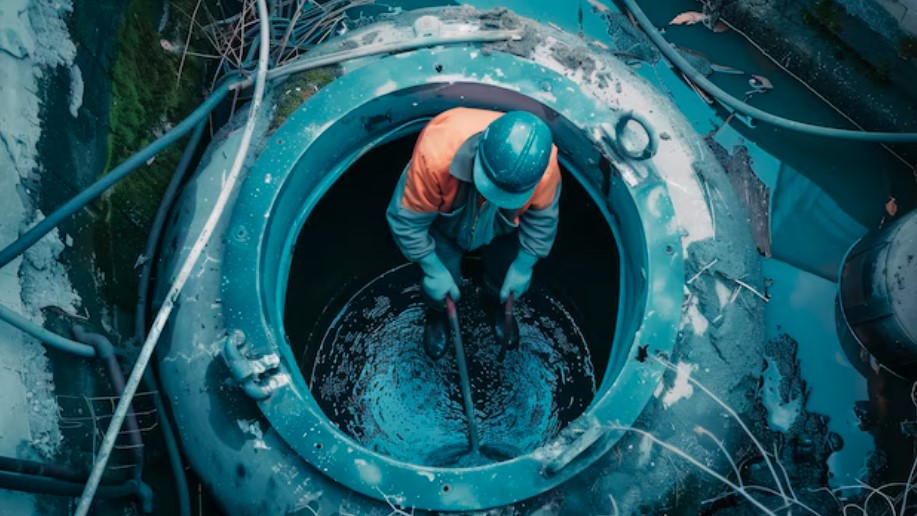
pixel 385 48
pixel 195 119
pixel 46 337
pixel 167 426
pixel 34 234
pixel 184 273
pixel 42 469
pixel 106 352
pixel 44 485
pixel 742 107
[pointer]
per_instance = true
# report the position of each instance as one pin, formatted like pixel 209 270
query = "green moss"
pixel 825 17
pixel 148 97
pixel 297 89
pixel 829 13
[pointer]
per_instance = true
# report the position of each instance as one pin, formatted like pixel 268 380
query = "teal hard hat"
pixel 513 154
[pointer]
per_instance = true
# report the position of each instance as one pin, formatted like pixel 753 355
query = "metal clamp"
pixel 624 133
pixel 257 376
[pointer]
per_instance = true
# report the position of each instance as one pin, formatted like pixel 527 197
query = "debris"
pixel 752 289
pixel 142 259
pixel 598 6
pixel 891 207
pixel 697 89
pixel 760 82
pixel 688 18
pixel 726 69
pixel 702 269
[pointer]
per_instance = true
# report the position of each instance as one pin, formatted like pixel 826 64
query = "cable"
pixel 184 273
pixel 45 485
pixel 728 100
pixel 10 252
pixel 166 425
pixel 45 336
pixel 385 48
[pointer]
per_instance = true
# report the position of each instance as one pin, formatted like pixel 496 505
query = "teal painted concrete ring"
pixel 376 103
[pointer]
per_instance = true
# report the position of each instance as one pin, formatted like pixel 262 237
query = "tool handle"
pixel 473 439
pixel 508 321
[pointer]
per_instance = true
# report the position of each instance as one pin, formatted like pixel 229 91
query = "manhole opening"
pixel 354 319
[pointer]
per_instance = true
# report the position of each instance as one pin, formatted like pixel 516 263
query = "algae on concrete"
pixel 148 98
pixel 297 89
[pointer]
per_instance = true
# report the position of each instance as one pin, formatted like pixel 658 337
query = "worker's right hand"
pixel 437 281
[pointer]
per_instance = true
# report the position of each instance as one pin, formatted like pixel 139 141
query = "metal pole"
pixel 463 374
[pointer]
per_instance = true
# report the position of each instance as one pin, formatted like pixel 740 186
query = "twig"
pixel 734 415
pixel 614 504
pixel 752 289
pixel 703 431
pixel 873 492
pixel 786 477
pixel 738 489
pixel 181 64
pixel 703 269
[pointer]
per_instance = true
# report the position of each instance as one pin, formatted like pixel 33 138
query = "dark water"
pixel 362 354
pixel 372 378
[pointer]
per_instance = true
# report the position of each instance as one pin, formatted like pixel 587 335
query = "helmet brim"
pixel 493 193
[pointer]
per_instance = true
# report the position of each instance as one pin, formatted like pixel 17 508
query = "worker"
pixel 477 180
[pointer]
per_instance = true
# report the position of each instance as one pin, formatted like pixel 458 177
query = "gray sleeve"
pixel 538 228
pixel 410 229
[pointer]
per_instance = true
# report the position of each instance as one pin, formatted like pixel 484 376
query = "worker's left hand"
pixel 518 277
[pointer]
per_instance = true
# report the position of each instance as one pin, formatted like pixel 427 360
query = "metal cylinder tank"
pixel 878 294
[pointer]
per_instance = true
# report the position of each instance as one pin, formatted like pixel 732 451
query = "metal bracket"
pixel 256 376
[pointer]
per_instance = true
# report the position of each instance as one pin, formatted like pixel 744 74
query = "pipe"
pixel 46 337
pixel 106 352
pixel 152 242
pixel 42 469
pixel 385 48
pixel 742 107
pixel 166 425
pixel 44 485
pixel 34 234
pixel 184 273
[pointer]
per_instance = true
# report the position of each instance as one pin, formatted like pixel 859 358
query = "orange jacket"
pixel 430 187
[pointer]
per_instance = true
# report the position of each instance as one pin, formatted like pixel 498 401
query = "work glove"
pixel 518 276
pixel 437 281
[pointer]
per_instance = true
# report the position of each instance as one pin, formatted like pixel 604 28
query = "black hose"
pixel 44 485
pixel 44 469
pixel 106 352
pixel 167 427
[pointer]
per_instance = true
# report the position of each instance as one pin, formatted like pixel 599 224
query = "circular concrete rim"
pixel 265 224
